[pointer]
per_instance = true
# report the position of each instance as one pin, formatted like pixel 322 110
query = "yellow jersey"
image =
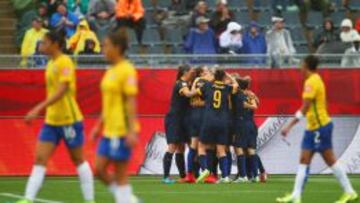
pixel 314 89
pixel 119 81
pixel 66 110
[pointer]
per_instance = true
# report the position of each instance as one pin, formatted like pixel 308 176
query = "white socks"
pixel 300 180
pixel 123 194
pixel 35 182
pixel 342 178
pixel 86 181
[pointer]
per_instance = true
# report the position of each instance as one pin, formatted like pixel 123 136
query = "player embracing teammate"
pixel 210 113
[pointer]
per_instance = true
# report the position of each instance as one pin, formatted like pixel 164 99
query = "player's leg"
pixel 301 177
pixel 123 192
pixel 74 142
pixel 223 162
pixel 180 161
pixel 43 152
pixel 263 175
pixel 349 192
pixel 229 157
pixel 167 161
pixel 241 165
pixel 205 172
pixel 253 164
pixel 85 173
pixel 190 178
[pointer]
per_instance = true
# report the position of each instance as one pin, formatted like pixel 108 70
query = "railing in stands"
pixel 158 61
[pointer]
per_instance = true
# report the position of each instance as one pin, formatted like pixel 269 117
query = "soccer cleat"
pixel 212 179
pixel 225 180
pixel 241 180
pixel 135 199
pixel 190 178
pixel 203 175
pixel 168 181
pixel 255 180
pixel 288 199
pixel 24 201
pixel 346 197
pixel 263 177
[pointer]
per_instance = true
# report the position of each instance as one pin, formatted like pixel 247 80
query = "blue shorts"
pixel 215 131
pixel 114 149
pixel 73 135
pixel 176 130
pixel 318 140
pixel 246 135
pixel 196 118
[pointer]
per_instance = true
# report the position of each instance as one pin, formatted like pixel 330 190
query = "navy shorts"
pixel 197 117
pixel 114 149
pixel 215 131
pixel 246 135
pixel 176 130
pixel 318 140
pixel 73 135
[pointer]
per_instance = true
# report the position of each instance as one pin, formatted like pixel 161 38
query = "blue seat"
pixel 292 19
pixel 151 36
pixel 178 49
pixel 134 49
pixel 265 18
pixel 298 36
pixel 238 4
pixel 132 36
pixel 338 17
pixel 149 17
pixel 314 19
pixel 262 5
pixel 243 18
pixel 174 36
pixel 147 3
pixel 156 49
pixel 163 3
pixel 302 49
pixel 354 5
pixel 211 4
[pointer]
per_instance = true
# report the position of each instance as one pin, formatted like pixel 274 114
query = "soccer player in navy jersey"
pixel 214 130
pixel 176 128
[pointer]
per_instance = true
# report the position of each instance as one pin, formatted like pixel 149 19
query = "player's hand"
pixel 285 131
pixel 131 140
pixel 32 114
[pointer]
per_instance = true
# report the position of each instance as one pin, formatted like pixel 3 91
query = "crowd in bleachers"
pixel 275 27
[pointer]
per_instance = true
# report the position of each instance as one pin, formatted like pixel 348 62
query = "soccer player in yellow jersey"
pixel 63 120
pixel 318 134
pixel 118 120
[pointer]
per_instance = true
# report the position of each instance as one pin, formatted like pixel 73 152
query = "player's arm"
pixel 187 92
pixel 131 115
pixel 95 131
pixel 33 113
pixel 297 117
pixel 253 96
pixel 234 83
pixel 251 105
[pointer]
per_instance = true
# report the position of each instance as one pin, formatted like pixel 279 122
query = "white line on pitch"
pixel 21 197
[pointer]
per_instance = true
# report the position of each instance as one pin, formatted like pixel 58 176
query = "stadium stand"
pixel 7 28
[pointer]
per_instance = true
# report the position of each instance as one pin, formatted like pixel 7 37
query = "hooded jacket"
pixel 77 41
pixel 348 36
pixel 255 45
pixel 231 41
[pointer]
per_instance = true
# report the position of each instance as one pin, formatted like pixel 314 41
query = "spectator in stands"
pixel 201 40
pixel 317 5
pixel 34 35
pixel 254 42
pixel 177 15
pixel 348 33
pixel 221 17
pixel 328 34
pixel 79 7
pixel 231 39
pixel 83 33
pixel 358 25
pixel 101 16
pixel 201 9
pixel 43 14
pixel 130 13
pixel 279 6
pixel 64 21
pixel 51 5
pixel 351 57
pixel 280 46
pixel 90 48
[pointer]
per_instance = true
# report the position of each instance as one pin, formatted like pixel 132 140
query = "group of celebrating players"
pixel 211 111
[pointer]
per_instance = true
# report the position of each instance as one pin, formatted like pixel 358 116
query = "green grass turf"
pixel 320 189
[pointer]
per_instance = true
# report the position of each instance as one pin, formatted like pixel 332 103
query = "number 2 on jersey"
pixel 217 99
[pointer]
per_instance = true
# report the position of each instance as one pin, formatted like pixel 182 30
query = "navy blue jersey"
pixel 198 100
pixel 242 112
pixel 179 103
pixel 216 97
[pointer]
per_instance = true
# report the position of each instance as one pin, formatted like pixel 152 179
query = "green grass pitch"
pixel 320 189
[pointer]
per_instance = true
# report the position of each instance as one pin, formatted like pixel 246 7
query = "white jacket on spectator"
pixel 351 57
pixel 351 34
pixel 230 40
pixel 280 42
